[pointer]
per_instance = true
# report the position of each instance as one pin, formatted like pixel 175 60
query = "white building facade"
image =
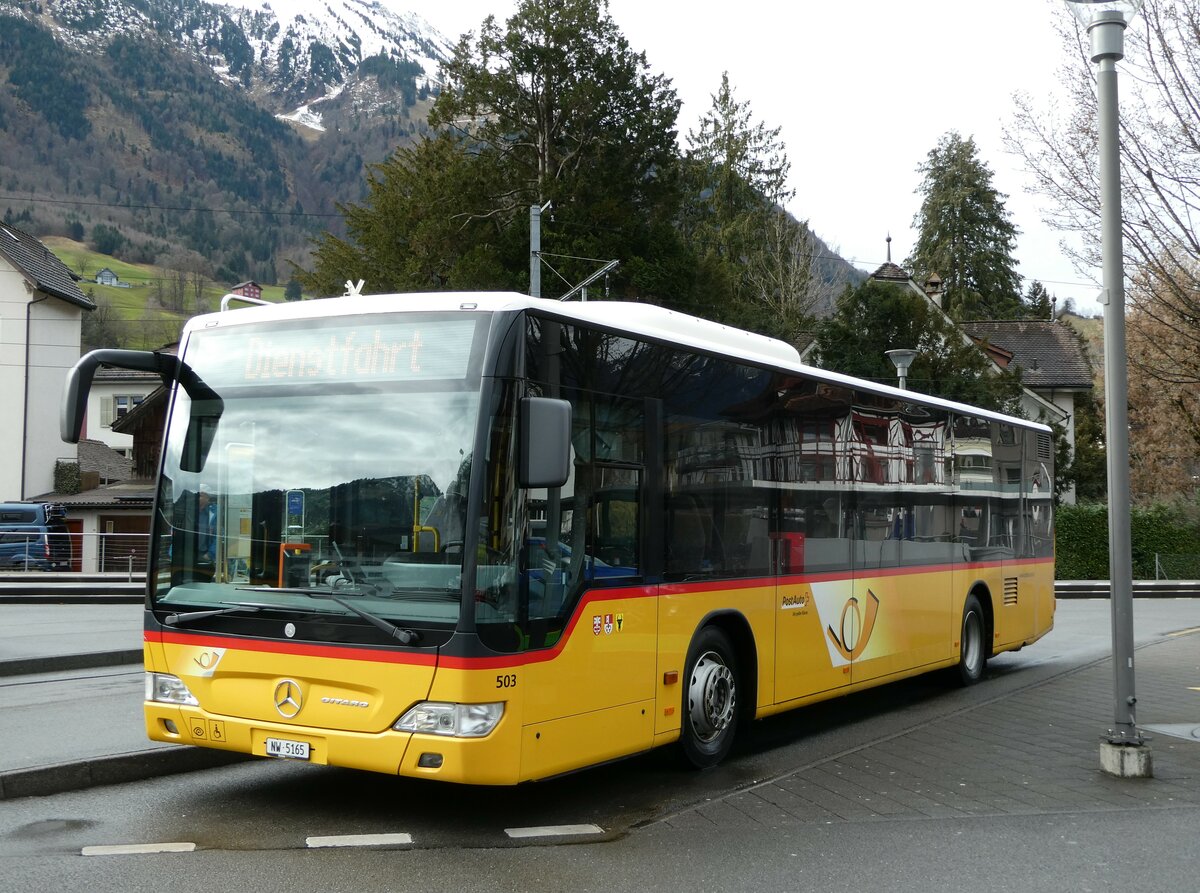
pixel 114 394
pixel 41 312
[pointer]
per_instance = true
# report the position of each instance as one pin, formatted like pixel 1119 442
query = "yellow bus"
pixel 489 539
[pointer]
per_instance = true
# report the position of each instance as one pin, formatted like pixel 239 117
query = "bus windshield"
pixel 322 469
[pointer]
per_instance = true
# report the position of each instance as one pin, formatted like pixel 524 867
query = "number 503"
pixel 506 680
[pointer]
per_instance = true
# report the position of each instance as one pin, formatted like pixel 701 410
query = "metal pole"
pixel 1107 38
pixel 535 251
pixel 1116 402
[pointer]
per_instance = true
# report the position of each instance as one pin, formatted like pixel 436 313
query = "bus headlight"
pixel 455 720
pixel 167 689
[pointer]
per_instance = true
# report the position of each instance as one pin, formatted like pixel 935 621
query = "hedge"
pixel 1081 538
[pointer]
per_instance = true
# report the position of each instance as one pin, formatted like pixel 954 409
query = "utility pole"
pixel 535 249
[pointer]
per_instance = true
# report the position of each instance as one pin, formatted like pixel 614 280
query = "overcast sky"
pixel 862 91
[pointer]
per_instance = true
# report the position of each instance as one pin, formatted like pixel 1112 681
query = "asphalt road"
pixel 638 824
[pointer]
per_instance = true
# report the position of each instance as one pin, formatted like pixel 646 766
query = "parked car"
pixel 34 536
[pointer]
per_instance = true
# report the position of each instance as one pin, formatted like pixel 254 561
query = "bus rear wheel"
pixel 972 649
pixel 710 708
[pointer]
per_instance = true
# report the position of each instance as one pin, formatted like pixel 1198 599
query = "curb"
pixel 30 665
pixel 60 778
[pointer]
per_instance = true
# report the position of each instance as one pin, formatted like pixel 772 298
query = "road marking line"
pixel 1184 632
pixel 553 831
pixel 131 849
pixel 358 840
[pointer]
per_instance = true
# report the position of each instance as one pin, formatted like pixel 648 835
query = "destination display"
pixel 404 350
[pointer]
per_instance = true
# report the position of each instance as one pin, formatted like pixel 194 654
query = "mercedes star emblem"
pixel 288 698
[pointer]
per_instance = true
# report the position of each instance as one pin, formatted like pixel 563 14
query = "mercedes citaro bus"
pixel 488 538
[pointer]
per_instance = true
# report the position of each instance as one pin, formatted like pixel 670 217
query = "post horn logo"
pixel 855 629
pixel 288 698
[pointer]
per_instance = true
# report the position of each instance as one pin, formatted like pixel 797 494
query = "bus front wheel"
pixel 972 649
pixel 710 708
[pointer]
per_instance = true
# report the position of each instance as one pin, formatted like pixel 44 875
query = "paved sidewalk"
pixel 1034 751
pixel 71 689
pixel 45 638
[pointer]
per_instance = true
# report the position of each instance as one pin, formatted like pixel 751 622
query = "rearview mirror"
pixel 545 442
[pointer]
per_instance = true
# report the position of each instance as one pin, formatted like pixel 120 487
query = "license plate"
pixel 289 750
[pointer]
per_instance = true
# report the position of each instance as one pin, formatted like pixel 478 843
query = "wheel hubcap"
pixel 972 641
pixel 711 697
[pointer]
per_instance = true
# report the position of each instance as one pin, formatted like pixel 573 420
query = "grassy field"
pixel 135 311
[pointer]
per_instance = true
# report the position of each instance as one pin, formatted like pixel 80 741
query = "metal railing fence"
pixel 109 553
pixel 1176 567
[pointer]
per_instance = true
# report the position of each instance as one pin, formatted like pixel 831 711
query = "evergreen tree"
pixel 1038 303
pixel 415 230
pixel 1087 469
pixel 557 107
pixel 877 316
pixel 735 184
pixel 738 174
pixel 965 235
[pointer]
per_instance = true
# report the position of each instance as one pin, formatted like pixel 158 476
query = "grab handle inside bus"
pixel 545 439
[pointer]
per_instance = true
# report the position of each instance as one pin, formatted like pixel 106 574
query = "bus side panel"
pixel 682 609
pixel 1024 603
pixel 809 661
pixel 560 745
pixel 895 623
pixel 590 697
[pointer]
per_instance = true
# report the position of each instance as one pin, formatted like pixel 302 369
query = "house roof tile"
pixel 104 460
pixel 1048 352
pixel 39 264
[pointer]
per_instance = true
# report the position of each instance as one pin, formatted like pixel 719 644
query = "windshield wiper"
pixel 189 616
pixel 402 635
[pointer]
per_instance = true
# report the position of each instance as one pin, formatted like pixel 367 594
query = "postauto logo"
pixel 854 627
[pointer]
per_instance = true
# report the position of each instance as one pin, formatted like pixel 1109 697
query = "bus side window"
pixel 686 537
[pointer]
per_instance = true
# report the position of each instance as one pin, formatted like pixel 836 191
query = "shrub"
pixel 1081 538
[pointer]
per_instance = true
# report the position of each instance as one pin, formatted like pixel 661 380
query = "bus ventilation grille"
pixel 1045 447
pixel 1010 591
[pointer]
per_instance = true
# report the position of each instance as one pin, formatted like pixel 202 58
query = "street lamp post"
pixel 1123 751
pixel 901 358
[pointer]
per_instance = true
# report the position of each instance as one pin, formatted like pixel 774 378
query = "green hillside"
pixel 151 311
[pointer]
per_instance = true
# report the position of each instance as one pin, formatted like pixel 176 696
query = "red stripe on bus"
pixel 592 596
pixel 269 646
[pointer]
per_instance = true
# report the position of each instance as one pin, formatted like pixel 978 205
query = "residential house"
pixel 109 517
pixel 1052 360
pixel 107 277
pixel 41 312
pixel 1053 363
pixel 114 393
pixel 247 290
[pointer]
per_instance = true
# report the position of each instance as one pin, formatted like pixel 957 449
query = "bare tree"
pixel 185 275
pixel 786 279
pixel 1164 407
pixel 1160 177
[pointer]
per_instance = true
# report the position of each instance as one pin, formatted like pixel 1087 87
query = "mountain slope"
pixel 160 120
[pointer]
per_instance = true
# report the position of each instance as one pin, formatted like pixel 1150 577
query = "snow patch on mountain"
pixel 287 30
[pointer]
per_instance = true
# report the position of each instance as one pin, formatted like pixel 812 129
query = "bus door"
pixel 811 557
pixel 589 677
pixel 896 617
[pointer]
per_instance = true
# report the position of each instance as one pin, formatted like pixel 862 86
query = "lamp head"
pixel 1092 12
pixel 1105 21
pixel 901 358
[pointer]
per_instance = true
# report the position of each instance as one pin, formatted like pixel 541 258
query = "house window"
pixel 118 406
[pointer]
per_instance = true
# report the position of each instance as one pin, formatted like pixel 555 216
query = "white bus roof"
pixel 648 320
